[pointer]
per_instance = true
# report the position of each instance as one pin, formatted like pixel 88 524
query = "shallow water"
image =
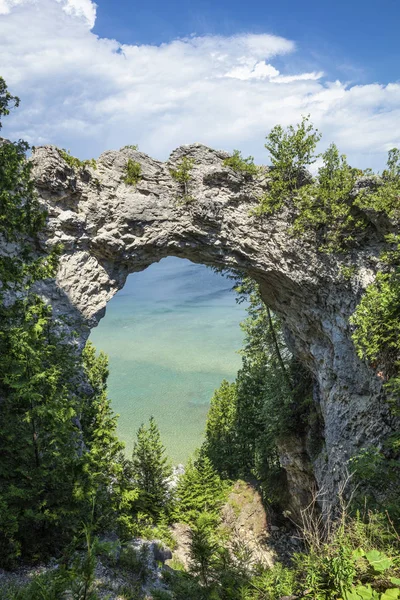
pixel 172 335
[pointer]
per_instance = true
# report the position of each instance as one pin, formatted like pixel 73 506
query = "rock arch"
pixel 109 229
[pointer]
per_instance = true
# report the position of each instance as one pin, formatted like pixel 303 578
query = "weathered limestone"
pixel 109 229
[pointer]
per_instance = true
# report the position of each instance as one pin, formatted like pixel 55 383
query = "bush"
pixel 76 163
pixel 183 174
pixel 242 165
pixel 133 172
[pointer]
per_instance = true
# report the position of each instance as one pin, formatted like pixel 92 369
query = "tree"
pixel 58 446
pixel 292 151
pixel 104 474
pixel 7 100
pixel 270 398
pixel 151 469
pixel 200 489
pixel 220 429
pixel 203 550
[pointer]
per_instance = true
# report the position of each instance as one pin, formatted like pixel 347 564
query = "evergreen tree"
pixel 220 429
pixel 200 489
pixel 203 549
pixel 103 462
pixel 269 399
pixel 59 452
pixel 151 470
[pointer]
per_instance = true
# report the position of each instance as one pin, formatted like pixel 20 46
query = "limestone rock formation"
pixel 109 229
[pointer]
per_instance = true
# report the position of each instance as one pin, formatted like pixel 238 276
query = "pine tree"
pixel 220 429
pixel 151 470
pixel 203 549
pixel 59 451
pixel 104 477
pixel 199 489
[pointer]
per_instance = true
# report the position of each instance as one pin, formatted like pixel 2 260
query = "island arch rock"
pixel 109 229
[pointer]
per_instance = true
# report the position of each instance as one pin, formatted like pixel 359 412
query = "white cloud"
pixel 262 70
pixel 89 94
pixel 81 8
pixel 85 9
pixel 7 5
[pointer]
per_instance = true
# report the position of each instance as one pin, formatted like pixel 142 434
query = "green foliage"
pixel 136 560
pixel 74 579
pixel 59 448
pixel 242 165
pixel 133 172
pixel 376 336
pixel 106 476
pixel 348 272
pixel 326 209
pixel 271 583
pixel 377 317
pixel 203 548
pixel 270 399
pixel 7 100
pixel 199 490
pixel 220 428
pixel 385 198
pixel 183 175
pixel 76 163
pixel 151 470
pixel 130 147
pixel 292 151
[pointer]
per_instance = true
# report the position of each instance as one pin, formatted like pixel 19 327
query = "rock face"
pixel 109 229
pixel 245 520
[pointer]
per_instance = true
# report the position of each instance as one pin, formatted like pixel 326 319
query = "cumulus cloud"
pixel 80 8
pixel 89 94
pixel 7 5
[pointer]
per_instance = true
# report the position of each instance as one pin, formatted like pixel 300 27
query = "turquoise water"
pixel 171 334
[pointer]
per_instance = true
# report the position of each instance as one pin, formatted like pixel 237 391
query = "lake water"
pixel 171 335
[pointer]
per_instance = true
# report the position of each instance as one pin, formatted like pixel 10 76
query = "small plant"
pixel 182 174
pixel 76 163
pixel 347 272
pixel 133 172
pixel 130 147
pixel 240 164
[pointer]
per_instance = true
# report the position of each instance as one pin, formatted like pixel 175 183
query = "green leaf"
pixel 378 561
pixel 362 592
pixel 392 594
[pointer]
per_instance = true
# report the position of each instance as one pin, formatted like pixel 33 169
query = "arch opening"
pixel 172 335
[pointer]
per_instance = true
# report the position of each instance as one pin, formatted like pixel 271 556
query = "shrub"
pixel 183 174
pixel 76 163
pixel 242 165
pixel 133 172
pixel 130 147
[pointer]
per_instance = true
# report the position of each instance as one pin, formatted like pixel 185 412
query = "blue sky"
pixel 161 74
pixel 359 39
